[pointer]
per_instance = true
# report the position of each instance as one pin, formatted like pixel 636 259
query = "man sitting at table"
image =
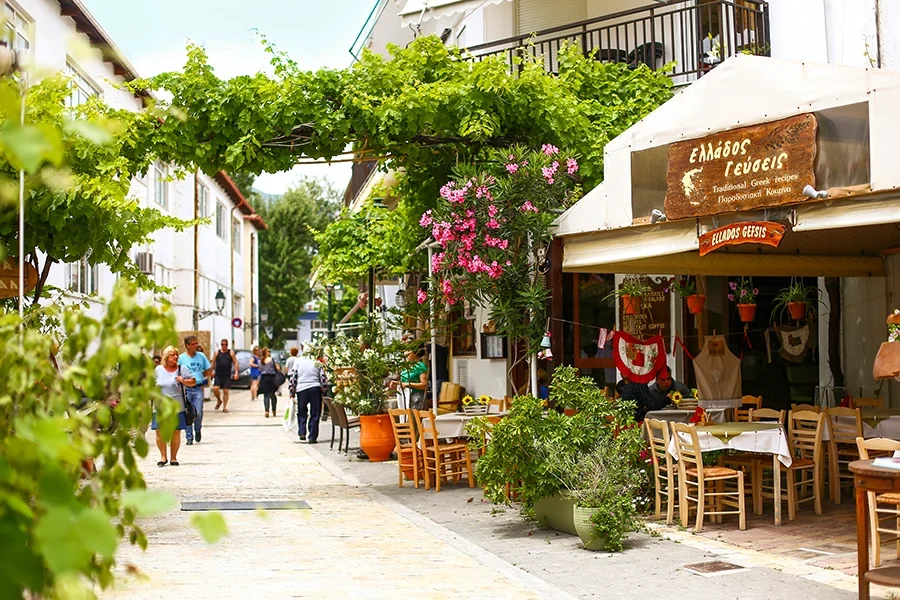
pixel 639 392
pixel 665 385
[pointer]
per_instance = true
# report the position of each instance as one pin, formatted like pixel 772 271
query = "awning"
pixel 856 212
pixel 625 245
pixel 418 11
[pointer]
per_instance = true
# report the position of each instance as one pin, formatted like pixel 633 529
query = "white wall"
pixel 864 310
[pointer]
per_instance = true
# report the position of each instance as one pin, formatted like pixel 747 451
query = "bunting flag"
pixel 638 360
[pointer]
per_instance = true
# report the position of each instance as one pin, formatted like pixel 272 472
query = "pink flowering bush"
pixel 493 223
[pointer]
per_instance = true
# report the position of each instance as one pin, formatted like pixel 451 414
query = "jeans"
pixel 309 402
pixel 194 395
pixel 269 397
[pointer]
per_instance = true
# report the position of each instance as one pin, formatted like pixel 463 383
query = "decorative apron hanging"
pixel 638 360
pixel 718 371
pixel 796 341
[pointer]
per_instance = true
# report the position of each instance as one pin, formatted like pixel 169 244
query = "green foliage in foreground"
pixel 59 526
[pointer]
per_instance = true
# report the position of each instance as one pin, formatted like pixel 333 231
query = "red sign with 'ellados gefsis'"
pixel 754 232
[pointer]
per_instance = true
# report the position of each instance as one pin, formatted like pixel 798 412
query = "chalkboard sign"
pixel 655 315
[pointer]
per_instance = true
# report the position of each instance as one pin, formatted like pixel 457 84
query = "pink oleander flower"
pixel 511 157
pixel 528 207
pixel 426 219
pixel 549 149
pixel 447 288
pixel 512 167
pixel 436 260
pixel 421 296
pixel 492 211
pixel 492 224
pixel 571 165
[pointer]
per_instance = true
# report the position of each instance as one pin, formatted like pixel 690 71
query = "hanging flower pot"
pixel 797 310
pixel 748 312
pixel 631 305
pixel 695 303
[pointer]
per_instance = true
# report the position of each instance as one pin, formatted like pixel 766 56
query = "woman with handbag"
pixel 171 378
pixel 270 379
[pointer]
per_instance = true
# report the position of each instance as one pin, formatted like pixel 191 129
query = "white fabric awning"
pixel 855 212
pixel 633 243
pixel 412 12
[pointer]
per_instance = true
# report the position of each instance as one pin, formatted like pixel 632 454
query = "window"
pixel 82 277
pixel 82 88
pixel 238 306
pixel 18 29
pixel 160 185
pixel 202 201
pixel 221 221
pixel 236 235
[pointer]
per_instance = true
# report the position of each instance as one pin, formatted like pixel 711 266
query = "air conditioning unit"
pixel 145 262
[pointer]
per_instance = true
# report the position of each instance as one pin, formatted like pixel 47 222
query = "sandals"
pixel 174 463
pixel 162 463
pixel 267 414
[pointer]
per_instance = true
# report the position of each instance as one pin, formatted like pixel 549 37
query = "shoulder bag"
pixel 190 413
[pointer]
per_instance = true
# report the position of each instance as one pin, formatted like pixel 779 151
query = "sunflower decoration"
pixel 696 393
pixel 483 399
pixel 676 398
pixel 467 400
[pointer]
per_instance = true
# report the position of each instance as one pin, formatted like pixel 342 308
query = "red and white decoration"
pixel 638 360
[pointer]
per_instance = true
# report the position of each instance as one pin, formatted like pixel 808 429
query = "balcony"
pixel 695 37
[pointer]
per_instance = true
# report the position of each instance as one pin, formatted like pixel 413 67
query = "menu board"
pixel 655 315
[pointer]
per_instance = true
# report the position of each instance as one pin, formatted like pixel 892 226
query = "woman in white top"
pixel 170 377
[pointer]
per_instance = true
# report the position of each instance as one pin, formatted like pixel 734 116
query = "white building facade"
pixel 61 35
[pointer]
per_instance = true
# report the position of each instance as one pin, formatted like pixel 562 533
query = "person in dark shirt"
pixel 665 385
pixel 640 393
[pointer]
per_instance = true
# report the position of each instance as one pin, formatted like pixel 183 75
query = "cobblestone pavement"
pixel 349 545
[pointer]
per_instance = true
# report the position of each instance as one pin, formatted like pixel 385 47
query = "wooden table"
pixel 869 478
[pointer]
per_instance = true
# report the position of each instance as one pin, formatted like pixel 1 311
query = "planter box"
pixel 556 512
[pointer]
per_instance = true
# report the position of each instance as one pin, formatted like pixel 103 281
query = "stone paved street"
pixel 348 545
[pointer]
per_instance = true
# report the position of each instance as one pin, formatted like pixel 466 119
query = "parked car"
pixel 243 358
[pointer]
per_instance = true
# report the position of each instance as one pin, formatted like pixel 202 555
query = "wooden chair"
pixel 805 440
pixel 496 405
pixel 664 471
pixel 748 403
pixel 692 474
pixel 442 460
pixel 888 511
pixel 844 426
pixel 409 456
pixel 760 415
pixel 806 407
pixel 339 419
pixel 867 403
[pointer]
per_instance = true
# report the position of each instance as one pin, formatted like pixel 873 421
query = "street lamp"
pixel 329 289
pixel 220 306
pixel 400 298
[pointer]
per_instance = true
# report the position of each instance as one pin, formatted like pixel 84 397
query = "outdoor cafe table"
pixel 877 422
pixel 453 425
pixel 762 438
pixel 683 415
pixel 869 478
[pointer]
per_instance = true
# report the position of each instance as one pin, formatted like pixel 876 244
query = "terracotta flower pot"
pixel 376 437
pixel 695 303
pixel 887 361
pixel 631 304
pixel 748 312
pixel 797 310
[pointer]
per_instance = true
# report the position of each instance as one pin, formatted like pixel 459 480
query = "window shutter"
pixel 536 15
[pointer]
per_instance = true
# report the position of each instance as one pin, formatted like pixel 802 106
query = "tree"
pixel 287 249
pixel 79 167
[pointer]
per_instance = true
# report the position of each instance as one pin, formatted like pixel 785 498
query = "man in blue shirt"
pixel 200 368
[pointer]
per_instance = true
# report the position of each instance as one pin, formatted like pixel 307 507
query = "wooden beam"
pixel 759 265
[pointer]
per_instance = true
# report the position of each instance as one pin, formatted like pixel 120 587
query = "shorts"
pixel 223 382
pixel 254 374
pixel 181 422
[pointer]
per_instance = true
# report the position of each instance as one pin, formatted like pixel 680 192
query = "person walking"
pixel 200 367
pixel 254 372
pixel 267 384
pixel 309 381
pixel 225 370
pixel 171 379
pixel 413 383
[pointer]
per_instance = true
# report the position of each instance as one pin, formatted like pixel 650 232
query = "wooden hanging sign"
pixel 9 278
pixel 753 232
pixel 742 169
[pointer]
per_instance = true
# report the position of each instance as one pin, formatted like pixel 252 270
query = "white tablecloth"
pixel 679 415
pixel 725 403
pixel 452 425
pixel 766 441
pixel 886 428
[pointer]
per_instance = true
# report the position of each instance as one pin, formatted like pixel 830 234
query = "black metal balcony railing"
pixel 695 38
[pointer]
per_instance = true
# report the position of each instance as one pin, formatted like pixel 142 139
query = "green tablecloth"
pixel 871 416
pixel 723 431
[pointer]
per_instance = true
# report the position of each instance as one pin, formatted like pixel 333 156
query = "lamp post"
pixel 220 306
pixel 329 289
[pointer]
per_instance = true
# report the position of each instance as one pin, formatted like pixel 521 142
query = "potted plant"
pixel 603 483
pixel 796 299
pixel 687 289
pixel 357 367
pixel 475 406
pixel 744 295
pixel 630 292
pixel 887 361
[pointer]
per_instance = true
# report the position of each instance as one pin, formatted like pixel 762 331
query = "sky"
pixel 315 33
